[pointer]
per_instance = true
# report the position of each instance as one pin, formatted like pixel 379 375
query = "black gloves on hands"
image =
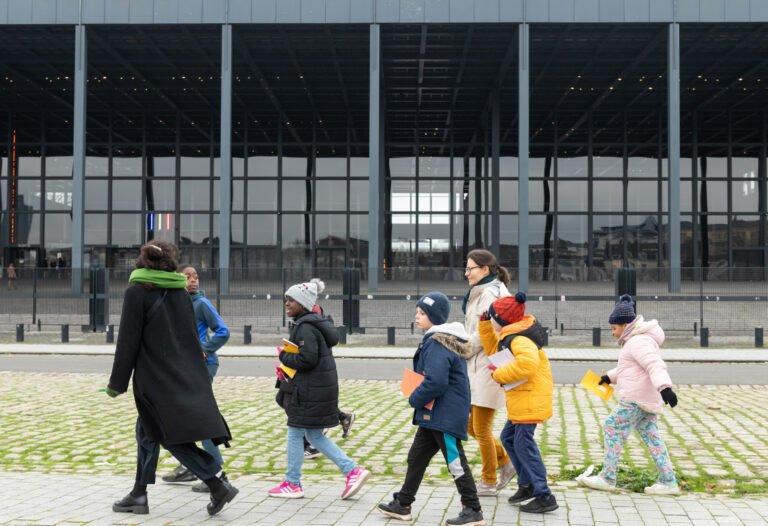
pixel 669 396
pixel 605 379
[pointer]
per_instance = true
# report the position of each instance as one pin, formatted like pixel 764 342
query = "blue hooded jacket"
pixel 207 318
pixel 441 358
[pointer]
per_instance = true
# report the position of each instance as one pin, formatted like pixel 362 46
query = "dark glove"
pixel 605 379
pixel 669 396
pixel 111 393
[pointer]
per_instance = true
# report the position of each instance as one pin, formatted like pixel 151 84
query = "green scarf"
pixel 161 278
pixel 486 279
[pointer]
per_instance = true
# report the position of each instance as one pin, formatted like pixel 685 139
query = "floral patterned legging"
pixel 617 428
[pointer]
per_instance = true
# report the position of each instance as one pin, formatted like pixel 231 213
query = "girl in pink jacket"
pixel 644 387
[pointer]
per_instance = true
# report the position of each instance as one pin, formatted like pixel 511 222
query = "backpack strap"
pixel 156 305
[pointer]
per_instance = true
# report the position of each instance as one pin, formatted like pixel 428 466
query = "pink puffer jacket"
pixel 641 373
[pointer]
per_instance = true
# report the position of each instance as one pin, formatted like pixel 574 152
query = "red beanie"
pixel 508 309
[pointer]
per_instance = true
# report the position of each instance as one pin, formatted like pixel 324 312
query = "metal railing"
pixel 725 300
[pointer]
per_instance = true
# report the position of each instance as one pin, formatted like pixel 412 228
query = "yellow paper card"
pixel 289 346
pixel 591 381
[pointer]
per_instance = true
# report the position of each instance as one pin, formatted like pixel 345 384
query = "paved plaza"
pixel 69 452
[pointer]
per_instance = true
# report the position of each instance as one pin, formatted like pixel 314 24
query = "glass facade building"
pixel 388 136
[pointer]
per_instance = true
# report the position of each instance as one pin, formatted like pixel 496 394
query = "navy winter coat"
pixel 441 358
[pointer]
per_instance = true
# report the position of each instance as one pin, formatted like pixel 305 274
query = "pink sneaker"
pixel 355 481
pixel 286 490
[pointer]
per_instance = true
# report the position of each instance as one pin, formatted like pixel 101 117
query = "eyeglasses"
pixel 470 269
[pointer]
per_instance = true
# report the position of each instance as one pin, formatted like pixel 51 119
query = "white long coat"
pixel 485 392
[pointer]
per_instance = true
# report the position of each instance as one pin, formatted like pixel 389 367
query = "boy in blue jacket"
pixel 208 320
pixel 441 358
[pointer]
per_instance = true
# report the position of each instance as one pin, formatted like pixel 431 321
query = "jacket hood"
pixel 640 326
pixel 324 324
pixel 528 327
pixel 453 337
pixel 198 294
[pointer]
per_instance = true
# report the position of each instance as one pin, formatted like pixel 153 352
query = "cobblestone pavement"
pixel 44 499
pixel 68 452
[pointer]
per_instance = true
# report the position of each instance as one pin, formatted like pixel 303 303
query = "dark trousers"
pixel 426 444
pixel 198 461
pixel 519 444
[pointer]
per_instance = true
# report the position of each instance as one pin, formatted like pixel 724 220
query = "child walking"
pixel 643 384
pixel 441 358
pixel 314 398
pixel 506 327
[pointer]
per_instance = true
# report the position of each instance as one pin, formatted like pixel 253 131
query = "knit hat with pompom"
pixel 508 309
pixel 623 312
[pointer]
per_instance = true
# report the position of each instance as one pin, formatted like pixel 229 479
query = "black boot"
pixel 524 492
pixel 539 505
pixel 131 504
pixel 221 493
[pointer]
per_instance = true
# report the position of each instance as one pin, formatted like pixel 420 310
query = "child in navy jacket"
pixel 441 358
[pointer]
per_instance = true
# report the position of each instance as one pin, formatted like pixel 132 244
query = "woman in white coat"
pixel 487 282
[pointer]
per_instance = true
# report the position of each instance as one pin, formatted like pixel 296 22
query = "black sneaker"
pixel 311 452
pixel 524 492
pixel 540 505
pixel 223 494
pixel 180 474
pixel 467 517
pixel 395 510
pixel 131 504
pixel 346 424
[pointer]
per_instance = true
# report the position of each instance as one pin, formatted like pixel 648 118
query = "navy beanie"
pixel 436 306
pixel 623 312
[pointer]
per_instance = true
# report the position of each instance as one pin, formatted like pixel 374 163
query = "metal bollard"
pixel 596 336
pixel 246 334
pixel 695 328
pixel 704 336
pixel 65 334
pixel 342 330
pixel 390 335
pixel 39 325
pixel 411 327
pixel 19 332
pixel 546 336
pixel 562 329
pixel 110 334
pixel 758 336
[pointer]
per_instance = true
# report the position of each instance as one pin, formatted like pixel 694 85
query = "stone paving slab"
pixel 553 353
pixel 65 499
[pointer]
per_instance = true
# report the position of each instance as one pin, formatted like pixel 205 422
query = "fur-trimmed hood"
pixel 453 337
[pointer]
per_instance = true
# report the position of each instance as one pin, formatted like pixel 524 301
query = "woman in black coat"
pixel 311 403
pixel 158 345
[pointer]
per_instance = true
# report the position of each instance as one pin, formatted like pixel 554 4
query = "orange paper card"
pixel 411 380
pixel 591 381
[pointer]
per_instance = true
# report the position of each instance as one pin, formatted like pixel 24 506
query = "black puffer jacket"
pixel 314 393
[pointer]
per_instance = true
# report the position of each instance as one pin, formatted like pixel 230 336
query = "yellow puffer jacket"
pixel 531 401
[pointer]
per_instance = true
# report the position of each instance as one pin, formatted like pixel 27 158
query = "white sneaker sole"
pixel 354 489
pixel 396 516
pixel 287 495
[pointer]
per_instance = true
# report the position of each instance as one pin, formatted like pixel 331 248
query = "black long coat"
pixel 173 394
pixel 314 389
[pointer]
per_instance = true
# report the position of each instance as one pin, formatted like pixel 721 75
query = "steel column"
pixel 673 152
pixel 374 155
pixel 225 185
pixel 523 70
pixel 495 168
pixel 78 158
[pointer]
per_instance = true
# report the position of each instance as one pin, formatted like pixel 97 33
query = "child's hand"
pixel 605 379
pixel 669 396
pixel 280 373
pixel 279 350
pixel 485 316
pixel 492 368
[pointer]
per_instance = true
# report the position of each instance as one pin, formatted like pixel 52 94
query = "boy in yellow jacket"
pixel 506 327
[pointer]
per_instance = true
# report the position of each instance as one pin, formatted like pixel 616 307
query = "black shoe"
pixel 180 474
pixel 346 424
pixel 524 492
pixel 310 453
pixel 395 510
pixel 467 517
pixel 131 504
pixel 540 505
pixel 223 494
pixel 201 487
